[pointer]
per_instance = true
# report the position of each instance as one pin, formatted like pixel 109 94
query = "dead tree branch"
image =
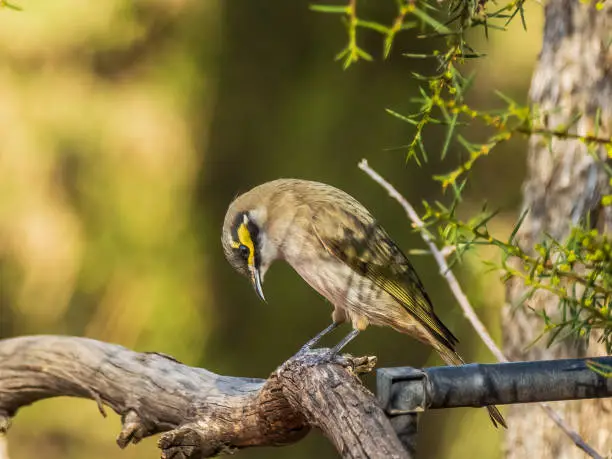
pixel 201 414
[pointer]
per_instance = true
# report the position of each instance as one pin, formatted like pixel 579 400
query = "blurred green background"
pixel 126 128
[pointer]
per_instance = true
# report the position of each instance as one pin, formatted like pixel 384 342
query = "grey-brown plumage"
pixel 340 250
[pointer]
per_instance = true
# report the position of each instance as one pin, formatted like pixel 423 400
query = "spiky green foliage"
pixel 577 270
pixel 10 5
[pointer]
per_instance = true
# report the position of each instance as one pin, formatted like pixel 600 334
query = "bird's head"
pixel 245 243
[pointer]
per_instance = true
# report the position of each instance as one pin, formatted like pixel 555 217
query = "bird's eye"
pixel 244 251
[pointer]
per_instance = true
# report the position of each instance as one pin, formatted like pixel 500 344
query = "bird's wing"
pixel 359 241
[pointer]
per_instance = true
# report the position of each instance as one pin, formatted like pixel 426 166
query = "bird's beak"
pixel 256 281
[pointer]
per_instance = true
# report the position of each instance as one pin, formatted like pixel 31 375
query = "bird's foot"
pixel 306 348
pixel 336 349
pixel 313 351
pixel 333 352
pixel 310 344
pixel 342 344
pixel 319 355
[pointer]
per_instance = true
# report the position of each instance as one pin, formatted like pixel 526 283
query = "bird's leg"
pixel 316 339
pixel 347 339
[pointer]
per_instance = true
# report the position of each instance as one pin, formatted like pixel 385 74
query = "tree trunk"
pixel 563 187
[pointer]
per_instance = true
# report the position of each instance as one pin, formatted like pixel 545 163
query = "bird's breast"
pixel 342 286
pixel 350 291
pixel 330 278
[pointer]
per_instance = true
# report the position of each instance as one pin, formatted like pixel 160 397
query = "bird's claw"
pixel 305 349
pixel 319 354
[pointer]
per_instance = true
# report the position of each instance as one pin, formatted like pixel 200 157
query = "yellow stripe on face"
pixel 244 236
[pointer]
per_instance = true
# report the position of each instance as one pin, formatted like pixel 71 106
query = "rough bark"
pixel 563 187
pixel 201 413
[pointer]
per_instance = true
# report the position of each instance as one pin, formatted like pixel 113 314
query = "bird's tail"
pixel 451 357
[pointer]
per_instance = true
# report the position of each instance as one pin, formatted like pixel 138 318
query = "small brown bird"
pixel 339 249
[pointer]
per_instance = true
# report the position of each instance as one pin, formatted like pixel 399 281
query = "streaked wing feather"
pixel 367 249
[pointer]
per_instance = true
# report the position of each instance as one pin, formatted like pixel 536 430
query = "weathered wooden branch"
pixel 201 413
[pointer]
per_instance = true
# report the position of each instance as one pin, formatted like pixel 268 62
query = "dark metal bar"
pixel 405 424
pixel 404 391
pixel 409 390
pixel 406 427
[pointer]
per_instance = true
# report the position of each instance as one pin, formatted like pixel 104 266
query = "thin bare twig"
pixel 463 301
pixel 441 260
